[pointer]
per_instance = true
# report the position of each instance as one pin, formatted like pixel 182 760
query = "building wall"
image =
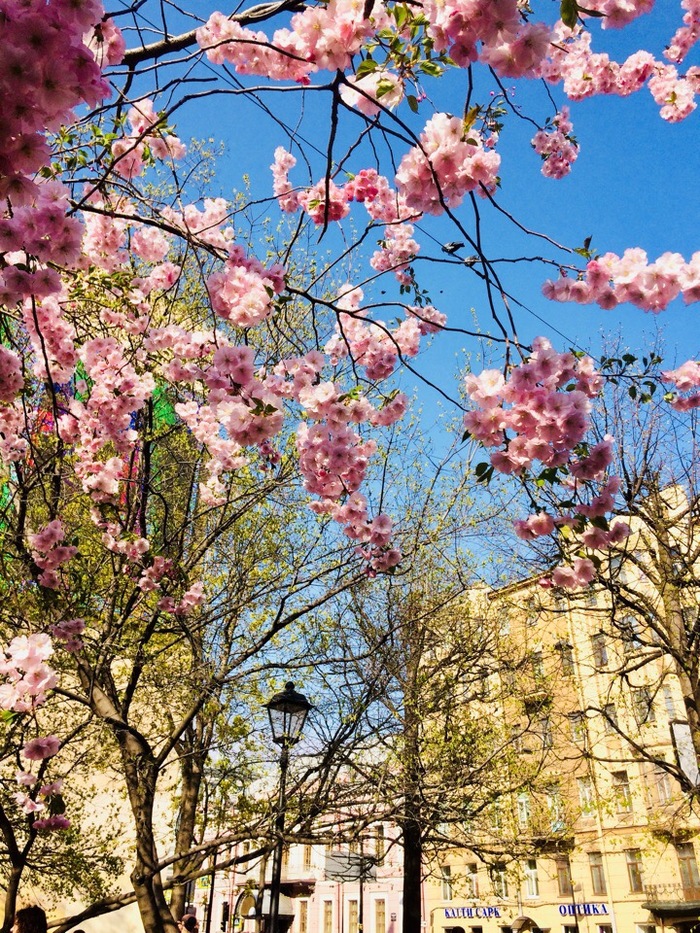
pixel 320 891
pixel 603 840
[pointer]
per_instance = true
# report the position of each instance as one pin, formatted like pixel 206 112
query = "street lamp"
pixel 287 711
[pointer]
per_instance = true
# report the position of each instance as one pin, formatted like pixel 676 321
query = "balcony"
pixel 667 900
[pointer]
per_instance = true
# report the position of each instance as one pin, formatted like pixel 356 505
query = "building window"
pixel 380 916
pixel 531 612
pixel 545 730
pixel 600 651
pixel 566 655
pixel 564 878
pixel 379 845
pixel 516 738
pixel 630 627
pixel 610 723
pixel 623 794
pixel 499 879
pixel 524 809
pixel 303 917
pixel 555 807
pixel 353 917
pixel 537 665
pixel 577 727
pixel 585 794
pixel 595 861
pixel 643 705
pixel 690 879
pixel 669 702
pixel 662 783
pixel 497 816
pixel 307 858
pixel 285 860
pixel 568 928
pixel 634 870
pixel 328 917
pixel 472 880
pixel 446 876
pixel 532 884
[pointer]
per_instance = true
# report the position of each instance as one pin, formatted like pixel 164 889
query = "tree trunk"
pixel 412 875
pixel 11 887
pixel 412 822
pixel 191 772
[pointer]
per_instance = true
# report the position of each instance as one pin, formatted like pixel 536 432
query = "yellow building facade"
pixel 600 838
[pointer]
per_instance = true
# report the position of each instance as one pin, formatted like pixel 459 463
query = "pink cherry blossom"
pixel 39 749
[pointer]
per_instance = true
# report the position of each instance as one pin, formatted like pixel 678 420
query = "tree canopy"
pixel 181 373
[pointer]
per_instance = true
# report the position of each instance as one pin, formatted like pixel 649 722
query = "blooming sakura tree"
pixel 162 376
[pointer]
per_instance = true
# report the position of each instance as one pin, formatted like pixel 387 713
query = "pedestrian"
pixel 30 920
pixel 189 924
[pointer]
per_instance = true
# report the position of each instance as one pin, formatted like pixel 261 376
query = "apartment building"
pixel 603 840
pixel 345 888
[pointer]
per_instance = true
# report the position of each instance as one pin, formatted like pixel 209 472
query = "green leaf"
pixel 384 87
pixel 569 12
pixel 632 391
pixel 412 102
pixel 400 15
pixel 471 116
pixel 431 68
pixel 366 67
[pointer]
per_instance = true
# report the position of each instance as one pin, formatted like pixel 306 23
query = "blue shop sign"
pixel 483 913
pixel 585 910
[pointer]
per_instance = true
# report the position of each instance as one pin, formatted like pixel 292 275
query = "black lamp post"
pixel 287 710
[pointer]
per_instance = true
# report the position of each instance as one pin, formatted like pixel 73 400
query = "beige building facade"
pixel 601 839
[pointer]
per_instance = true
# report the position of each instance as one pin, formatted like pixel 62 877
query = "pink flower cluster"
pixel 68 633
pixel 321 37
pixel 242 291
pixel 373 344
pixel 325 201
pixel 206 224
pixel 42 230
pixel 29 677
pixel 11 379
pixel 397 250
pixel 45 71
pixel 52 337
pixel 675 93
pixel 512 47
pixel 49 552
pixel 446 165
pixel 541 414
pixel 191 599
pixel 39 750
pixel 369 91
pixel 146 130
pixel 686 378
pixel 106 43
pixel 105 419
pixel 556 145
pixel 610 280
pixel 374 534
pixel 688 34
pixel 546 420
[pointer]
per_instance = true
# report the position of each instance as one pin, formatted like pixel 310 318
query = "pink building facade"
pixel 345 889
